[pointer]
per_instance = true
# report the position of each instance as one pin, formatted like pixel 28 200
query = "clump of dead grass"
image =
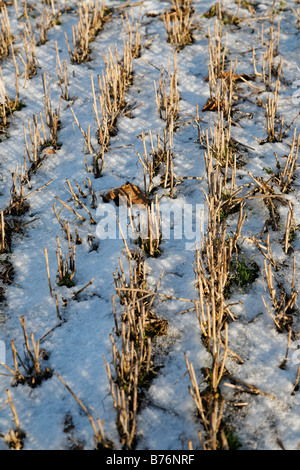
pixel 92 17
pixel 6 37
pixel 113 84
pixel 179 23
pixel 100 439
pixel 167 97
pixel 132 347
pixel 29 369
pixel 15 437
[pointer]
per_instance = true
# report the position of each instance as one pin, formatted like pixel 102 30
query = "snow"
pixel 76 345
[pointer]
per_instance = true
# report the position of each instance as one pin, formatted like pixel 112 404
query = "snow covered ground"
pixel 75 345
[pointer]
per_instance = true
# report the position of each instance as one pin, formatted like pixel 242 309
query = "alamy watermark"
pixel 167 221
pixel 295 357
pixel 296 94
pixel 2 92
pixel 2 352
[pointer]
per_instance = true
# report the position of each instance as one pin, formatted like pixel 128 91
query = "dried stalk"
pixel 210 408
pixel 159 162
pixel 52 117
pixel 285 175
pixel 48 271
pixel 132 360
pixel 283 303
pixel 131 28
pixel 78 201
pixel 4 241
pixel 33 373
pixel 290 229
pixel 66 264
pixel 92 17
pixel 62 75
pixel 15 437
pixel 167 103
pixel 297 14
pixel 100 438
pixel 179 23
pixel 146 228
pixel 6 37
pixel 213 274
pixel 30 62
pixel 8 105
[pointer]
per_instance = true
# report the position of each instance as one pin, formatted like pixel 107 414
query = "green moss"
pixel 230 19
pixel 244 274
pixel 232 438
pixel 229 208
pixel 145 246
pixel 226 291
pixel 211 12
pixel 20 105
pixel 282 7
pixel 268 170
pixel 245 4
pixel 107 11
pixel 11 108
pixel 67 281
pixel 226 18
pixel 241 274
pixel 292 234
pixel 145 379
pixel 229 152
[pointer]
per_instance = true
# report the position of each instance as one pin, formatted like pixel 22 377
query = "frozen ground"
pixel 76 348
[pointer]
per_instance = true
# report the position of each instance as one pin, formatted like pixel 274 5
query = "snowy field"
pixel 68 169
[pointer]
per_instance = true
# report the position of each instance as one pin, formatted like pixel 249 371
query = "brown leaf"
pixel 133 193
pixel 235 77
pixel 211 105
